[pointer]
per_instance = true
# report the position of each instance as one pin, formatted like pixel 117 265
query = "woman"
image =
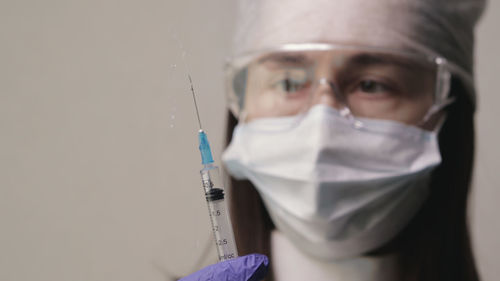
pixel 350 140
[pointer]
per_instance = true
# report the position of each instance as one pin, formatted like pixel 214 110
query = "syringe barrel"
pixel 222 229
pixel 210 178
pixel 219 217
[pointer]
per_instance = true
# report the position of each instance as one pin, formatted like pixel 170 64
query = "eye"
pixel 290 85
pixel 291 82
pixel 372 87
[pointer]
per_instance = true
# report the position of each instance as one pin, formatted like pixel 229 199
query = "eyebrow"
pixel 286 58
pixel 366 59
pixel 356 60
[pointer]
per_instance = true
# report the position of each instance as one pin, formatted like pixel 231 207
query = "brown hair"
pixel 435 245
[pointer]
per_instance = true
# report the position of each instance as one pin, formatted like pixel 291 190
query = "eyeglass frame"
pixel 444 70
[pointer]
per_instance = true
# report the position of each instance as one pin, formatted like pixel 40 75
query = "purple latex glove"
pixel 246 268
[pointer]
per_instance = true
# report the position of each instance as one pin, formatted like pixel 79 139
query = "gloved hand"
pixel 246 268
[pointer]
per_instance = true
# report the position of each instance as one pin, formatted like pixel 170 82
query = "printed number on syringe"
pixel 222 242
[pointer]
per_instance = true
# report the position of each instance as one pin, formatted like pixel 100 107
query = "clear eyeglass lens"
pixel 370 84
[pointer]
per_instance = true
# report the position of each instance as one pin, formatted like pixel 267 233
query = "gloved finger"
pixel 246 268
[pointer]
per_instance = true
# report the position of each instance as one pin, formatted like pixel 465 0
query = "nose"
pixel 326 93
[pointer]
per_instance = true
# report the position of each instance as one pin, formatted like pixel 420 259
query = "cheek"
pixel 375 109
pixel 256 103
pixel 417 105
pixel 413 111
pixel 409 111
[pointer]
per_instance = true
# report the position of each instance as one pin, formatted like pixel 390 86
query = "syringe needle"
pixel 194 99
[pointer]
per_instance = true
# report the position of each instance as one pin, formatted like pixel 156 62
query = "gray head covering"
pixel 439 27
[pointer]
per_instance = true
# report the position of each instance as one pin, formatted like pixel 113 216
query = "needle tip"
pixel 194 99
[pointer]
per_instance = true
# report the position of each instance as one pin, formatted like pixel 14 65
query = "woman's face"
pixel 370 84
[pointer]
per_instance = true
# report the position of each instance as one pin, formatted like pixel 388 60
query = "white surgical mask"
pixel 334 190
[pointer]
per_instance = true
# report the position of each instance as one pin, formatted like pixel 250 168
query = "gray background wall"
pixel 98 155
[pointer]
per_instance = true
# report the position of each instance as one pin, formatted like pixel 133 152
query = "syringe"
pixel 214 194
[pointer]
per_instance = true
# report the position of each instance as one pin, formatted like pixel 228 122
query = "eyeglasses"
pixel 360 82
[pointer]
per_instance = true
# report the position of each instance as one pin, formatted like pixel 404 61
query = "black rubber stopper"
pixel 214 194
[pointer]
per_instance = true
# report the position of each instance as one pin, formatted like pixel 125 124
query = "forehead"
pixel 385 23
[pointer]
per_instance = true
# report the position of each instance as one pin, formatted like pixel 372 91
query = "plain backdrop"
pixel 99 168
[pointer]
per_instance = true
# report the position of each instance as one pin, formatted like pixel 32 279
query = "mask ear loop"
pixel 243 117
pixel 440 123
